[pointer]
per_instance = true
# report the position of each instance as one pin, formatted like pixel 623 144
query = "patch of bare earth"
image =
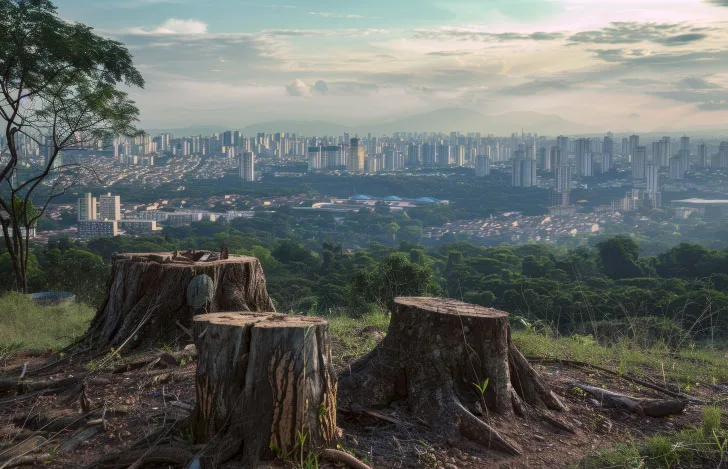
pixel 98 413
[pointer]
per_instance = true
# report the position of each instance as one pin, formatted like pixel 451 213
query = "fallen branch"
pixel 27 460
pixel 648 407
pixel 633 379
pixel 343 457
pixel 161 456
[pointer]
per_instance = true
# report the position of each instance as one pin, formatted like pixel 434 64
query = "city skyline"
pixel 661 66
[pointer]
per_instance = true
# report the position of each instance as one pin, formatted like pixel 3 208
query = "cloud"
pixel 327 14
pixel 320 87
pixel 538 87
pixel 634 115
pixel 173 26
pixel 633 32
pixel 479 35
pixel 298 88
pixel 696 83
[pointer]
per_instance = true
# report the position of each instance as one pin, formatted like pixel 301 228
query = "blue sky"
pixel 620 64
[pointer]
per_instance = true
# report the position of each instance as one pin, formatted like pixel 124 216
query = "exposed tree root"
pixel 346 458
pixel 648 407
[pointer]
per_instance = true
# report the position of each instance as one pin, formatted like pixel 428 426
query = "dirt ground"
pixel 103 412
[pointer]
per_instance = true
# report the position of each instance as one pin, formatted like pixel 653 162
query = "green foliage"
pixel 25 324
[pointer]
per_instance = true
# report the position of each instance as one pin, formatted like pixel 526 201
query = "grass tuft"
pixel 26 325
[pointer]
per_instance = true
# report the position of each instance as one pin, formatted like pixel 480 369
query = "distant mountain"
pixel 306 128
pixel 467 120
pixel 441 120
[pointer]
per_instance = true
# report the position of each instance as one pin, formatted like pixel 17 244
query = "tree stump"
pixel 456 367
pixel 264 382
pixel 153 297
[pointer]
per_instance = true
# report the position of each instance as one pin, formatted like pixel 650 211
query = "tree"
pixel 58 88
pixel 618 257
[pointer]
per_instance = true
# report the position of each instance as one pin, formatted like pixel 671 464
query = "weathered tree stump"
pixel 456 367
pixel 264 381
pixel 153 297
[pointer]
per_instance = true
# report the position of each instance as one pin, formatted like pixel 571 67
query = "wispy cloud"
pixel 173 26
pixel 327 14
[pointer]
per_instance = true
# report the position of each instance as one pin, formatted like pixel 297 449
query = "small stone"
pixel 450 466
pixel 539 438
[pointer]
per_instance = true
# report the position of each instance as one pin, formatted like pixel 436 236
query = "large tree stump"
pixel 264 381
pixel 456 367
pixel 153 297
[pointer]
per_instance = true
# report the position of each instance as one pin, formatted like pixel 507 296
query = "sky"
pixel 620 65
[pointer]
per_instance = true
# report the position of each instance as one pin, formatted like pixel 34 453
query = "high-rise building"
pixel 443 155
pixel 582 150
pixel 414 155
pixel 87 208
pixel 607 162
pixel 653 177
pixel 608 145
pixel 313 157
pixel 666 152
pixel 563 144
pixel 685 143
pixel 482 166
pixel 634 142
pixel 247 166
pixel 639 160
pixel 524 170
pixel 429 155
pixel 563 184
pixel 703 155
pixel 555 157
pixel 109 207
pixel 460 155
pixel 355 161
pixel 720 159
pixel 679 165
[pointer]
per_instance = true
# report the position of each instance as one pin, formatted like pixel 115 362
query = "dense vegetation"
pixel 607 290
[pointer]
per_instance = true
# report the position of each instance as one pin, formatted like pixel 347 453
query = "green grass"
pixel 348 334
pixel 26 325
pixel 693 447
pixel 687 368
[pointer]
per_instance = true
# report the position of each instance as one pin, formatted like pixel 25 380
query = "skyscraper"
pixel 524 170
pixel 355 161
pixel 582 150
pixel 653 175
pixel 555 157
pixel 414 155
pixel 639 160
pixel 563 144
pixel 703 155
pixel 563 184
pixel 443 155
pixel 247 166
pixel 634 142
pixel 666 152
pixel 429 155
pixel 87 208
pixel 109 207
pixel 482 166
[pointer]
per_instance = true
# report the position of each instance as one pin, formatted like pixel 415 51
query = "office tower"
pixel 720 159
pixel 543 159
pixel 608 145
pixel 524 170
pixel 703 155
pixel 563 184
pixel 657 153
pixel 482 166
pixel 563 144
pixel 355 160
pixel 443 155
pixel 247 166
pixel 680 164
pixel 634 142
pixel 685 143
pixel 582 150
pixel 331 157
pixel 653 175
pixel 460 155
pixel 109 207
pixel 625 147
pixel 414 155
pixel 555 157
pixel 87 208
pixel 313 157
pixel 606 162
pixel 666 152
pixel 639 160
pixel 429 155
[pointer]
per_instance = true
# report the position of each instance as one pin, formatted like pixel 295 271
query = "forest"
pixel 606 289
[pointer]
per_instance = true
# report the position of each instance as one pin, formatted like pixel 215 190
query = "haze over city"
pixel 641 65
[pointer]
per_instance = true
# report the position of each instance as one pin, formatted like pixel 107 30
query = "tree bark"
pixel 264 383
pixel 455 365
pixel 151 295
